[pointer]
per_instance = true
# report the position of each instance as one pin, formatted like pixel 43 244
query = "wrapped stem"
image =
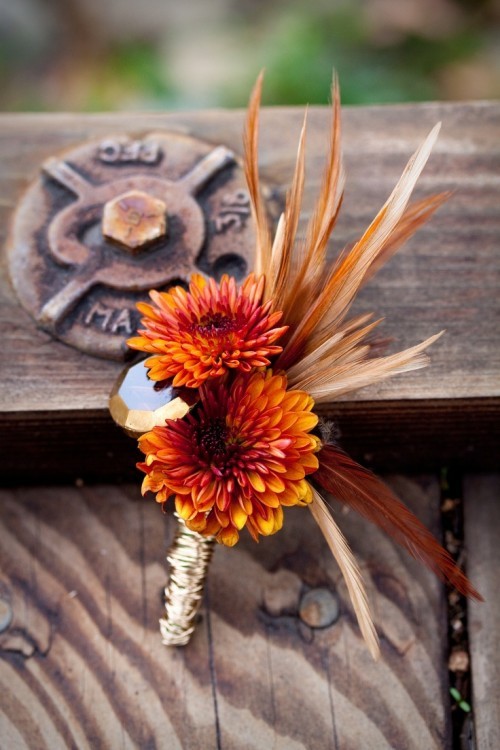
pixel 189 558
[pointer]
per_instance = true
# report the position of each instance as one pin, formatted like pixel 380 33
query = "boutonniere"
pixel 246 367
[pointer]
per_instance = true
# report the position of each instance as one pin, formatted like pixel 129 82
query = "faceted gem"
pixel 134 220
pixel 137 404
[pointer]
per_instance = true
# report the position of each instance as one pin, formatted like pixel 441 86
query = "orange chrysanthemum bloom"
pixel 207 331
pixel 237 459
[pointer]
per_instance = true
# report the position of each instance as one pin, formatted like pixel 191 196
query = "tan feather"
pixel 335 299
pixel 308 260
pixel 282 263
pixel 330 198
pixel 358 488
pixel 349 569
pixel 335 350
pixel 251 144
pixel 417 214
pixel 277 253
pixel 328 382
pixel 352 269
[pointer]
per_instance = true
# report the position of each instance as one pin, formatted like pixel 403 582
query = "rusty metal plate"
pixel 112 219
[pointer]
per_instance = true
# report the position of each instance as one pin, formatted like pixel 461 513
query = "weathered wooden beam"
pixel 448 277
pixel 82 664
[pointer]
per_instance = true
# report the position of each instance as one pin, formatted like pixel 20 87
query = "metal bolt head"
pixel 134 220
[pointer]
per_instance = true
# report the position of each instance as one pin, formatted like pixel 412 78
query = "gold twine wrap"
pixel 189 558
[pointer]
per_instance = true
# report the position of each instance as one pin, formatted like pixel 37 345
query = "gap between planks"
pixel 482 534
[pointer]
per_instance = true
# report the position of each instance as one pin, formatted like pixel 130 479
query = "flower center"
pixel 216 323
pixel 212 438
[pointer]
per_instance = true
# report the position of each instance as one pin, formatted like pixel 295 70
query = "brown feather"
pixel 364 492
pixel 251 143
pixel 336 349
pixel 330 198
pixel 282 256
pixel 417 214
pixel 327 380
pixel 306 267
pixel 331 305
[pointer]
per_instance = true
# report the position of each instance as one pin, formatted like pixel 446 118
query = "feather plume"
pixel 305 274
pixel 417 214
pixel 332 304
pixel 330 198
pixel 340 348
pixel 361 490
pixel 282 261
pixel 328 379
pixel 349 569
pixel 251 144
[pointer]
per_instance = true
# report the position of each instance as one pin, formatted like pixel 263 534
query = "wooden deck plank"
pixel 82 665
pixel 482 530
pixel 448 277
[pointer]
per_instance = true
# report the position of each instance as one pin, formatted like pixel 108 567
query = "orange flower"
pixel 207 331
pixel 237 459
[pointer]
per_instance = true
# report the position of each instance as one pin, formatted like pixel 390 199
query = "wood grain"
pixel 482 529
pixel 448 277
pixel 82 665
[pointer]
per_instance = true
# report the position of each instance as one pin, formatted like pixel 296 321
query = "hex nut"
pixel 134 220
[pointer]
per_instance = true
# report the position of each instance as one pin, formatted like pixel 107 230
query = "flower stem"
pixel 189 558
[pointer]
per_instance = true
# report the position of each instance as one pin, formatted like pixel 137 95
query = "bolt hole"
pixel 232 264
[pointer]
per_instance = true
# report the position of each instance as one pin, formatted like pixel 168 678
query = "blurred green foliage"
pixel 301 52
pixel 130 68
pixel 382 51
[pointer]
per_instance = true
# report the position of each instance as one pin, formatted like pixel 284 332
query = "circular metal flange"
pixel 111 220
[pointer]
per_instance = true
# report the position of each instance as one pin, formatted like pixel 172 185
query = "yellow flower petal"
pixel 228 536
pixel 238 516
